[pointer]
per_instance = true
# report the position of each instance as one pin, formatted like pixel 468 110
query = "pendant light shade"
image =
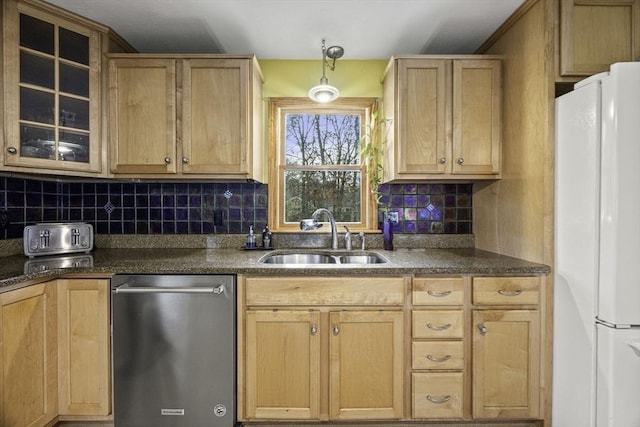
pixel 324 92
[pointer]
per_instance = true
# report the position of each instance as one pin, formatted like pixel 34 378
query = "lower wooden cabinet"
pixel 83 347
pixel 54 352
pixel 437 394
pixel 322 348
pixel 28 356
pixel 284 358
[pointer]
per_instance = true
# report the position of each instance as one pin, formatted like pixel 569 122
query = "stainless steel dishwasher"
pixel 173 349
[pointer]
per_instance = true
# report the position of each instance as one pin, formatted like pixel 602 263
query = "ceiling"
pixel 294 29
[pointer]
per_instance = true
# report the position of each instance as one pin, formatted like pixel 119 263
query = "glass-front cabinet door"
pixel 52 89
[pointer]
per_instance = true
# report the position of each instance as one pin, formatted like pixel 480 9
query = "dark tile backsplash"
pixel 188 208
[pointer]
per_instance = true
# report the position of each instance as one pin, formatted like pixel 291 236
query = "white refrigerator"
pixel 596 348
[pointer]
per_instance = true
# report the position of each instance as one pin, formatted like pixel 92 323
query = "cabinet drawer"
pixel 506 290
pixel 348 290
pixel 437 355
pixel 438 291
pixel 438 323
pixel 437 395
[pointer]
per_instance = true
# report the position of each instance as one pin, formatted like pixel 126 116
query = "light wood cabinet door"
pixel 52 91
pixel 28 356
pixel 142 115
pixel 83 351
pixel 597 33
pixel 366 365
pixel 282 364
pixel 477 116
pixel 443 118
pixel 506 364
pixel 424 117
pixel 215 104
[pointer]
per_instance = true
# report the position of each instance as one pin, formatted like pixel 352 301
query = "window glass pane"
pixel 322 139
pixel 37 70
pixel 74 146
pixel 74 113
pixel 36 106
pixel 74 46
pixel 36 34
pixel 37 141
pixel 338 191
pixel 74 80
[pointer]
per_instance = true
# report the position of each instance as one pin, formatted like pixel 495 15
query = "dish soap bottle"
pixel 251 238
pixel 266 238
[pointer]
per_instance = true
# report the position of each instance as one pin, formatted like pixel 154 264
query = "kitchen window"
pixel 316 162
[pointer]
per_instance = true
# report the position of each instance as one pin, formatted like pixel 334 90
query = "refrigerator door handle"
pixel 635 346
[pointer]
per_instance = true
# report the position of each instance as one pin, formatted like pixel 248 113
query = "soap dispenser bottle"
pixel 251 238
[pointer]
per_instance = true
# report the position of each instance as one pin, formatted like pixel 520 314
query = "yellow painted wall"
pixel 294 78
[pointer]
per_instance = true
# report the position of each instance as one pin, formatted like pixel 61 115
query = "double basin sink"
pixel 319 258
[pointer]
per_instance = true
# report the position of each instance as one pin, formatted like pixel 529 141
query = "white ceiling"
pixel 293 29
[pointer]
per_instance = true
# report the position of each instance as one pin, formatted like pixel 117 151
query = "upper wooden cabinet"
pixel 52 89
pixel 597 33
pixel 185 116
pixel 443 117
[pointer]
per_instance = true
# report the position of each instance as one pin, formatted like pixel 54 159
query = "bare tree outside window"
pixel 317 162
pixel 314 145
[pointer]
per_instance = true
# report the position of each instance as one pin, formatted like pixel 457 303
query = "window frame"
pixel 278 108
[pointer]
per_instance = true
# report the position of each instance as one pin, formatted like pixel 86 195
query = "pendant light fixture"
pixel 324 92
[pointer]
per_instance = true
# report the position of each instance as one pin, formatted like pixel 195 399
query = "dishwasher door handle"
pixel 124 289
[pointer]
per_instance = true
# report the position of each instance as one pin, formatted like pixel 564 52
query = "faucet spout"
pixel 312 224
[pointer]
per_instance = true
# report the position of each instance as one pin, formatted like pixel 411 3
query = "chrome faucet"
pixel 347 238
pixel 312 224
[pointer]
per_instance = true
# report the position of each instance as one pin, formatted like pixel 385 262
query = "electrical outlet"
pixel 217 218
pixel 4 219
pixel 393 216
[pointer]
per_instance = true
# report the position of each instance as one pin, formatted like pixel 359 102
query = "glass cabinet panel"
pixel 37 70
pixel 74 113
pixel 74 46
pixel 74 80
pixel 37 34
pixel 37 106
pixel 55 92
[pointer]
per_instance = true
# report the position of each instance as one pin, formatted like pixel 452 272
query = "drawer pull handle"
pixel 438 401
pixel 509 293
pixel 438 294
pixel 439 359
pixel 438 328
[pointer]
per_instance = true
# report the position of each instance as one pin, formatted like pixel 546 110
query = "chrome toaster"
pixel 53 238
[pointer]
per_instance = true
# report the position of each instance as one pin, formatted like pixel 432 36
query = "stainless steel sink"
pixel 299 258
pixel 362 259
pixel 315 258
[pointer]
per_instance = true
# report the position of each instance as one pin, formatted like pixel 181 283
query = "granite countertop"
pixel 238 261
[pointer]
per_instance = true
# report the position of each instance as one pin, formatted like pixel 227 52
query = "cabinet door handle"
pixel 432 399
pixel 438 359
pixel 509 293
pixel 482 329
pixel 167 160
pixel 314 329
pixel 442 160
pixel 438 294
pixel 438 328
pixel 12 150
pixel 460 161
pixel 336 330
pixel 185 160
